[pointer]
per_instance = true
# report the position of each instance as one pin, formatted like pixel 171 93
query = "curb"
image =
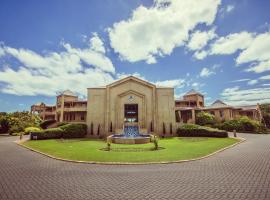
pixel 128 163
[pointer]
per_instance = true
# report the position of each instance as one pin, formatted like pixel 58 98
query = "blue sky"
pixel 221 48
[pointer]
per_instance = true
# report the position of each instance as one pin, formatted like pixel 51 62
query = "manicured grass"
pixel 171 149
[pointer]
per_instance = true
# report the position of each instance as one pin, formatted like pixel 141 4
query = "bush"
pixel 204 118
pixel 16 129
pixel 61 124
pixel 244 124
pixel 17 134
pixel 28 130
pixel 266 119
pixel 65 131
pixel 47 123
pixel 74 130
pixel 193 130
pixel 4 125
pixel 51 133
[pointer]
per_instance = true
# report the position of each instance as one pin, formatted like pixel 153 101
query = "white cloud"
pixel 200 55
pixel 237 96
pixel 135 74
pixel 175 83
pixel 240 80
pixel 97 44
pixel 200 38
pixel 252 82
pixel 258 53
pixel 231 43
pixel 25 82
pixel 153 32
pixel 73 68
pixel 229 8
pixel 226 10
pixel 206 72
pixel 197 85
pixel 267 77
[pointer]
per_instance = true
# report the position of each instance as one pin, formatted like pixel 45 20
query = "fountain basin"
pixel 122 139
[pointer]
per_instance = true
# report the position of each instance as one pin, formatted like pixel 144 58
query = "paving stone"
pixel 241 172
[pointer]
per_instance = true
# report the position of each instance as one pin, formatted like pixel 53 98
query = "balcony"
pixel 75 108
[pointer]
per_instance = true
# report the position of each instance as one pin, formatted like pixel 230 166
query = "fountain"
pixel 131 135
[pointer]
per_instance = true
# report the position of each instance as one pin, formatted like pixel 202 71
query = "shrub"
pixel 61 124
pixel 204 118
pixel 51 133
pixel 244 124
pixel 193 130
pixel 47 123
pixel 249 125
pixel 74 130
pixel 231 125
pixel 266 119
pixel 31 129
pixel 65 131
pixel 4 124
pixel 16 129
pixel 155 141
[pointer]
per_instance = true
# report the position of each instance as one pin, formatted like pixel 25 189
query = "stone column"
pixel 193 116
pixel 62 109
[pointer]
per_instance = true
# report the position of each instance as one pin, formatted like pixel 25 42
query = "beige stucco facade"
pixel 153 108
pixel 106 106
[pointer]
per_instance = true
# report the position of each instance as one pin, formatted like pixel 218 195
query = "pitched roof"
pixel 192 92
pixel 218 104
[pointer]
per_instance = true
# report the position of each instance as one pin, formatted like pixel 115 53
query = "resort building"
pixel 134 100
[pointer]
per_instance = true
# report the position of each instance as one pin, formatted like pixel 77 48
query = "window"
pixel 82 117
pixel 221 113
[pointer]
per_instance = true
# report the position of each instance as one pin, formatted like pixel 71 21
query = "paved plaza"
pixel 242 172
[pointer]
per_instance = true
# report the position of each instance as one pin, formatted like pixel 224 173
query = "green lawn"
pixel 172 149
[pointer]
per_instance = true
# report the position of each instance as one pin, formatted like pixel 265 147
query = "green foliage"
pixel 74 130
pixel 4 124
pixel 17 121
pixel 65 131
pixel 30 129
pixel 51 133
pixel 155 141
pixel 61 124
pixel 204 118
pixel 47 123
pixel 244 124
pixel 193 130
pixel 265 109
pixel 109 143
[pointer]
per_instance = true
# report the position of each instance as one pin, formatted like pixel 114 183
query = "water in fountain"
pixel 131 131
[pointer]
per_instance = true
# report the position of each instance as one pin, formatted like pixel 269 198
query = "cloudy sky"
pixel 221 48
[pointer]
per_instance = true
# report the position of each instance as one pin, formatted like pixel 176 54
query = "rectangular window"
pixel 221 113
pixel 82 117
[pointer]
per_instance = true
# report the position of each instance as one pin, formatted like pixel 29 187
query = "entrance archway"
pixel 131 112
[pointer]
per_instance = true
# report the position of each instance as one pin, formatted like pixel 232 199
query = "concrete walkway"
pixel 242 172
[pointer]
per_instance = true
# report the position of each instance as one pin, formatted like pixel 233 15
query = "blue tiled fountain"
pixel 130 135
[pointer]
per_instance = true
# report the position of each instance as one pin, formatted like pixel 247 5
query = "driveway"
pixel 242 172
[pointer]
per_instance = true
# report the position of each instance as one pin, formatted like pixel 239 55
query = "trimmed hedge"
pixel 74 130
pixel 51 133
pixel 30 129
pixel 47 123
pixel 65 131
pixel 193 130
